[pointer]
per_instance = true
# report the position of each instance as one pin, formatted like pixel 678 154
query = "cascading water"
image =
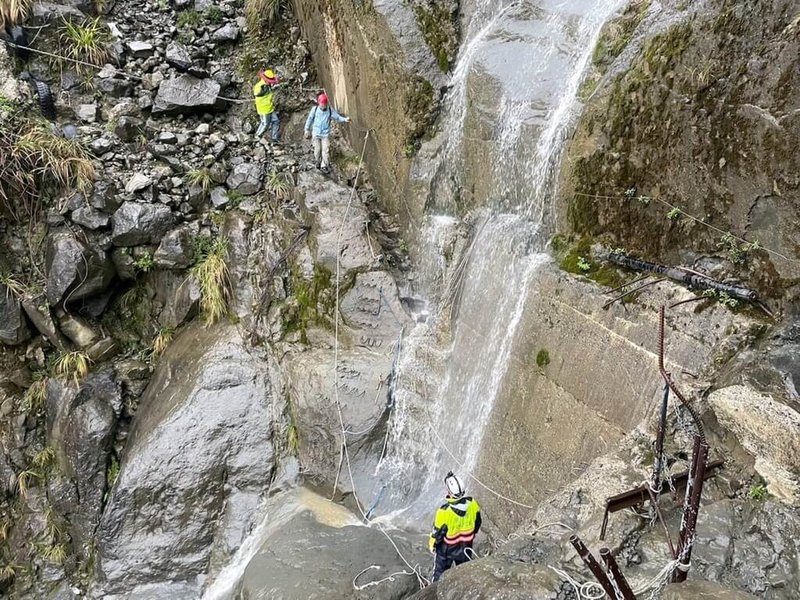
pixel 533 55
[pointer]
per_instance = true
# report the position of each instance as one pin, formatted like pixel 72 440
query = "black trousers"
pixel 449 556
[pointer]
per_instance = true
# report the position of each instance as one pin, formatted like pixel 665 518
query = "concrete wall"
pixel 601 383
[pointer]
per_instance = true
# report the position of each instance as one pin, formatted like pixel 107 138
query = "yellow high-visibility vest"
pixel 265 104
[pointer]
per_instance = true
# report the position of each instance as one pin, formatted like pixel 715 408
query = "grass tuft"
pixel 214 280
pixel 162 340
pixel 36 394
pixel 201 178
pixel 14 12
pixel 278 184
pixel 23 481
pixel 73 365
pixel 262 12
pixel 32 160
pixel 45 458
pixel 88 42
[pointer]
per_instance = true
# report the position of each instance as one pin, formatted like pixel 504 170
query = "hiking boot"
pixel 325 170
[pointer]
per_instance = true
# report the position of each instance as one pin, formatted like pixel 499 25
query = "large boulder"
pixel 245 178
pixel 137 223
pixel 175 250
pixel 769 430
pixel 13 326
pixel 184 94
pixel 199 458
pixel 74 271
pixel 81 421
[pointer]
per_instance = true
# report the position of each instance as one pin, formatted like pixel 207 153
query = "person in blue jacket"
pixel 318 128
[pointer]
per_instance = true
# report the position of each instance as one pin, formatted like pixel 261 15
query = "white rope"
pixel 391 577
pixel 344 453
pixel 588 590
pixel 475 479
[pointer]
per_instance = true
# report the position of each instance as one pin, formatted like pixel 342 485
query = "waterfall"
pixel 532 56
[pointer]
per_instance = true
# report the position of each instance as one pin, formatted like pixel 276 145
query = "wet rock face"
pixel 393 95
pixel 493 579
pixel 81 424
pixel 286 569
pixel 199 458
pixel 74 271
pixel 676 104
pixel 184 94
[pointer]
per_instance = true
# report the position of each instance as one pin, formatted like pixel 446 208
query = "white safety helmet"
pixel 454 485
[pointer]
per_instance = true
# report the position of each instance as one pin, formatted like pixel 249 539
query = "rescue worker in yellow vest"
pixel 455 525
pixel 264 94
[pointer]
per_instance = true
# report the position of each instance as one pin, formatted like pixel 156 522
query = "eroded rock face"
pixel 329 203
pixel 702 590
pixel 769 430
pixel 199 458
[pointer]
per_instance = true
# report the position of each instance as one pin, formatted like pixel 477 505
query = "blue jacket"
pixel 319 121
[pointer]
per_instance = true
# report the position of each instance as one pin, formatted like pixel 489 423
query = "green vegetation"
pixel 14 12
pixel 145 263
pixel 674 214
pixel 213 15
pixel 72 365
pixel 260 13
pixel 618 33
pixel 278 185
pixel 737 253
pixel 112 472
pixel 89 42
pixel 35 161
pixel 44 459
pixel 188 18
pixel 542 358
pixel 757 492
pixel 23 481
pixel 212 275
pixel 234 198
pixel 722 297
pixel 419 107
pixel 200 178
pixel 574 259
pixel 438 25
pixel 315 301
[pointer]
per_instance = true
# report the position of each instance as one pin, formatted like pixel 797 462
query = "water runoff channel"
pixel 531 56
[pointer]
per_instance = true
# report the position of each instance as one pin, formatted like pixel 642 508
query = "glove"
pixel 307 135
pixel 347 119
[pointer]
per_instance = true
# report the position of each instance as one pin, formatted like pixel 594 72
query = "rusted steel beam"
pixel 598 572
pixel 691 510
pixel 668 378
pixel 658 453
pixel 641 494
pixel 615 574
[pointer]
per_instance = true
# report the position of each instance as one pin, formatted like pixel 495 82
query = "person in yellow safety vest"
pixel 264 94
pixel 455 525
